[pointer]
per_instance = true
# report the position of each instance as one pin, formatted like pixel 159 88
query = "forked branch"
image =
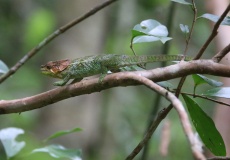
pixel 176 103
pixel 110 81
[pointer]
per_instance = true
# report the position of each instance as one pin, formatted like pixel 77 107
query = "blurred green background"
pixel 113 121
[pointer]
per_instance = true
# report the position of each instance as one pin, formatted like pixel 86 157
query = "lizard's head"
pixel 55 68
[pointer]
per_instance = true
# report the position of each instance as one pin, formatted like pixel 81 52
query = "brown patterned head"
pixel 54 68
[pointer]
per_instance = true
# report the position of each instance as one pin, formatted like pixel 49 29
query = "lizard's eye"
pixel 48 67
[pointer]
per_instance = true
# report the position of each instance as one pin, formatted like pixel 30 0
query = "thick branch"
pixel 110 81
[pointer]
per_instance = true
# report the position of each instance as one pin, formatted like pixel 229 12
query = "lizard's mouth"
pixel 47 72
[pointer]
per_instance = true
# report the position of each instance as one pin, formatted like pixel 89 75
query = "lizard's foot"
pixel 59 83
pixel 101 78
pixel 143 65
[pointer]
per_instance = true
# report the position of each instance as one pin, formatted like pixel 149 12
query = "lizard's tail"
pixel 126 60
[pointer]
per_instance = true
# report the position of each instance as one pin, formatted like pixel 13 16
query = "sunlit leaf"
pixel 61 133
pixel 215 18
pixel 149 31
pixel 182 2
pixel 223 92
pixel 205 127
pixel 58 151
pixel 142 39
pixel 7 137
pixel 184 28
pixel 3 67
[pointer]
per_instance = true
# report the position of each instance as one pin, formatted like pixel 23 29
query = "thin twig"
pixel 182 80
pixel 213 34
pixel 192 27
pixel 217 58
pixel 61 30
pixel 180 110
pixel 219 158
pixel 207 98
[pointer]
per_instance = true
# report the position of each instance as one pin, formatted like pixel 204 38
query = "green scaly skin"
pixel 100 64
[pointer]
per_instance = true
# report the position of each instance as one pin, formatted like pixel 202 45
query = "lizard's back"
pixel 91 65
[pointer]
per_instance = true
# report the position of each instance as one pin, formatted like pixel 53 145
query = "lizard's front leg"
pixel 62 82
pixel 104 71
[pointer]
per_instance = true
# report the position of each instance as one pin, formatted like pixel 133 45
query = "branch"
pixel 110 81
pixel 157 99
pixel 217 58
pixel 179 108
pixel 207 98
pixel 214 33
pixel 182 80
pixel 219 158
pixel 55 34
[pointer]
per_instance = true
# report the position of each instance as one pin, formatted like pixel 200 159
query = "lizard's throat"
pixel 54 75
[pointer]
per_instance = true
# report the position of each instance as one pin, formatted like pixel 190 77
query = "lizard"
pixel 80 68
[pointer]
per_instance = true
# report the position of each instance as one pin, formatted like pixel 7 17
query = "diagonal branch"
pixel 213 34
pixel 179 108
pixel 110 81
pixel 55 34
pixel 217 58
pixel 219 158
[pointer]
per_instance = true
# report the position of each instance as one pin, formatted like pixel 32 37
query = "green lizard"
pixel 98 64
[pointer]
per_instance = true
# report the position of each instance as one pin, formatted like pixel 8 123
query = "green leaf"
pixel 205 127
pixel 215 18
pixel 223 92
pixel 11 146
pixel 149 31
pixel 200 79
pixel 184 28
pixel 3 67
pixel 182 2
pixel 136 33
pixel 61 133
pixel 58 151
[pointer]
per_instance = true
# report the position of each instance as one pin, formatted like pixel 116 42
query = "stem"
pixel 156 105
pixel 192 28
pixel 213 34
pixel 207 98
